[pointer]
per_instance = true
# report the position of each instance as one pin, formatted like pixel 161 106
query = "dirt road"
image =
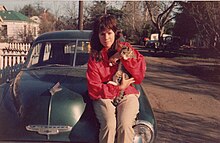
pixel 187 109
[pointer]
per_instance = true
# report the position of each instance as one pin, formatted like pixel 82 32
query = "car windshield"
pixel 59 53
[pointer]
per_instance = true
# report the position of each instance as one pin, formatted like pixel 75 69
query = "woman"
pixel 115 121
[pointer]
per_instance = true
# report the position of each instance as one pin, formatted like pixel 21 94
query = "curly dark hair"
pixel 102 23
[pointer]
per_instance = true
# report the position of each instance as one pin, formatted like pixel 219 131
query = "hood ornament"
pixel 48 129
pixel 56 88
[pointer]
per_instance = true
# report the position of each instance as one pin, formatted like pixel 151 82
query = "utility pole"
pixel 80 16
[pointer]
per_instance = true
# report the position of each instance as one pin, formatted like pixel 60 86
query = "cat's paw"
pixel 110 64
pixel 112 82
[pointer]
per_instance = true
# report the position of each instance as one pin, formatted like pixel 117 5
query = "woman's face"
pixel 107 38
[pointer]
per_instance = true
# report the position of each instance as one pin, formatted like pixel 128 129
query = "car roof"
pixel 65 35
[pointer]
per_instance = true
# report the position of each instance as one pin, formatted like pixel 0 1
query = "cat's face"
pixel 127 53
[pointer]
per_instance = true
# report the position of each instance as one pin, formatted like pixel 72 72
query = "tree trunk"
pixel 160 37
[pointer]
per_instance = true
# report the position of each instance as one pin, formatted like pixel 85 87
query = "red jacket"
pixel 99 73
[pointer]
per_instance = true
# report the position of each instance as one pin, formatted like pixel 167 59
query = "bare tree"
pixel 70 9
pixel 207 19
pixel 161 13
pixel 57 9
pixel 47 21
pixel 133 18
pixel 70 18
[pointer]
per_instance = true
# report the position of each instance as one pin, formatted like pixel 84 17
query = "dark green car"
pixel 48 99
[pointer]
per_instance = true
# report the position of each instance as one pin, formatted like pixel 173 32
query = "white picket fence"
pixel 12 56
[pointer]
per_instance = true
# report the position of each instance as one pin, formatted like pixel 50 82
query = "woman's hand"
pixel 125 82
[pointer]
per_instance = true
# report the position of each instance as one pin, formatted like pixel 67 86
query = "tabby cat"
pixel 126 53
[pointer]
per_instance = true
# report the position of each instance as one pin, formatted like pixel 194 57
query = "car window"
pixel 47 51
pixel 35 54
pixel 71 53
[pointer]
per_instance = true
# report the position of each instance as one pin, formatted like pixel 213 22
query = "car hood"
pixel 49 98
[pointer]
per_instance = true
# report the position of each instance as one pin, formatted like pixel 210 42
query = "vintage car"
pixel 153 44
pixel 48 100
pixel 171 42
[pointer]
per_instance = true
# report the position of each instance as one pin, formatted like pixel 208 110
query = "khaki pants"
pixel 116 122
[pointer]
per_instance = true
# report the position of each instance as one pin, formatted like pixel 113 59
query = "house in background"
pixel 16 26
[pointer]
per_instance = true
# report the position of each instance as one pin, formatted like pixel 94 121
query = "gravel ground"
pixel 185 99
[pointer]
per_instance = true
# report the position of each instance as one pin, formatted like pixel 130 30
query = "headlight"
pixel 144 132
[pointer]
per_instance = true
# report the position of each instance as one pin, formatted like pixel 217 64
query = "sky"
pixel 17 4
pixel 49 4
pixel 52 5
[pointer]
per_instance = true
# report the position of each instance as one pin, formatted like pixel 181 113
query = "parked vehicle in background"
pixel 152 44
pixel 168 43
pixel 171 42
pixel 48 101
pixel 155 36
